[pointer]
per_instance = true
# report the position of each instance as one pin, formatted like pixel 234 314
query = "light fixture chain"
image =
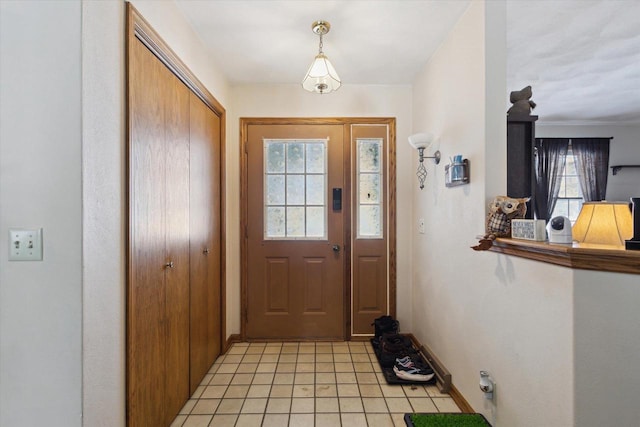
pixel 320 48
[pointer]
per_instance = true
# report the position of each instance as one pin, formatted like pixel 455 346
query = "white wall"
pixel 607 345
pixel 103 178
pixel 623 150
pixel 40 186
pixel 104 213
pixel 483 310
pixel 349 101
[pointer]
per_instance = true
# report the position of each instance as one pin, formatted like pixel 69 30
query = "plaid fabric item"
pixel 499 223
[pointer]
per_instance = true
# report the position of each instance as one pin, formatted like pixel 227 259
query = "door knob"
pixel 169 264
pixel 205 251
pixel 336 248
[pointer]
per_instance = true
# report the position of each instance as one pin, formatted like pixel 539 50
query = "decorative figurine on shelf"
pixel 521 100
pixel 501 211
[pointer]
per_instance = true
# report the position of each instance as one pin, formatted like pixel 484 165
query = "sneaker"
pixel 387 360
pixel 413 362
pixel 405 363
pixel 413 374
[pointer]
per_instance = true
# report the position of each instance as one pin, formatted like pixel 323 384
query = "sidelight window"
pixel 369 173
pixel 295 189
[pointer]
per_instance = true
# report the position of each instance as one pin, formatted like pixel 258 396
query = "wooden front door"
pixel 295 231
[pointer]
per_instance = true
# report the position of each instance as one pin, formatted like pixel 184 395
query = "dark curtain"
pixel 592 163
pixel 550 155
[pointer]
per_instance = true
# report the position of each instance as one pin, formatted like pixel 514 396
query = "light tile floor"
pixel 304 384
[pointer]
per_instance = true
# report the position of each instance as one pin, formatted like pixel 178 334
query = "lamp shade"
pixel 603 223
pixel 421 140
pixel 321 77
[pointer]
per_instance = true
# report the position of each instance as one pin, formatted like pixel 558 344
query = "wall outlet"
pixel 421 226
pixel 25 245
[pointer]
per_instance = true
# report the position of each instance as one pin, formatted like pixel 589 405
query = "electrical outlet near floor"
pixel 421 226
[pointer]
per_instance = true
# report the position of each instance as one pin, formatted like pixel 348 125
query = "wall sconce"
pixel 421 141
pixel 603 223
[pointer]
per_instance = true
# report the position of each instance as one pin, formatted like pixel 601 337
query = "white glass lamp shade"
pixel 421 140
pixel 321 77
pixel 603 223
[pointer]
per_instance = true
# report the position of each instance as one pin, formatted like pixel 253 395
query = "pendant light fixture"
pixel 321 77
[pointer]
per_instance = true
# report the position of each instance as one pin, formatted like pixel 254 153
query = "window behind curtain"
pixel 570 197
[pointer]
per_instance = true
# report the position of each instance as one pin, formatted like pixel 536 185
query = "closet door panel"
pixel 205 252
pixel 215 238
pixel 146 294
pixel 177 241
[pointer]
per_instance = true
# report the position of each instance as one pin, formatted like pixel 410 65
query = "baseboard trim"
pixel 460 401
pixel 265 340
pixel 365 338
pixel 443 376
pixel 233 338
pixel 444 381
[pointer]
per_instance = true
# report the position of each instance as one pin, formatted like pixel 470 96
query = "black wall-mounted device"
pixel 337 199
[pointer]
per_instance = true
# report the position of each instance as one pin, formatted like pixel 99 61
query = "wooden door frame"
pixel 139 30
pixel 346 122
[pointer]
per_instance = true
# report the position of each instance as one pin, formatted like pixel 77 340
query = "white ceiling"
pixel 582 57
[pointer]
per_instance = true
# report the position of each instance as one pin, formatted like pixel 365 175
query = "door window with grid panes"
pixel 570 198
pixel 295 189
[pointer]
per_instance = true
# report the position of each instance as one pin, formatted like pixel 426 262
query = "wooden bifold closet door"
pixel 205 340
pixel 174 287
pixel 158 295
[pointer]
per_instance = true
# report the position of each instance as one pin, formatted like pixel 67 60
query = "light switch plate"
pixel 25 245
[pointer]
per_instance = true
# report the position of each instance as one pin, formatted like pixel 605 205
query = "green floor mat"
pixel 446 420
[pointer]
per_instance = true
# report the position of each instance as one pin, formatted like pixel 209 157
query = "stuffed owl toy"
pixel 498 224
